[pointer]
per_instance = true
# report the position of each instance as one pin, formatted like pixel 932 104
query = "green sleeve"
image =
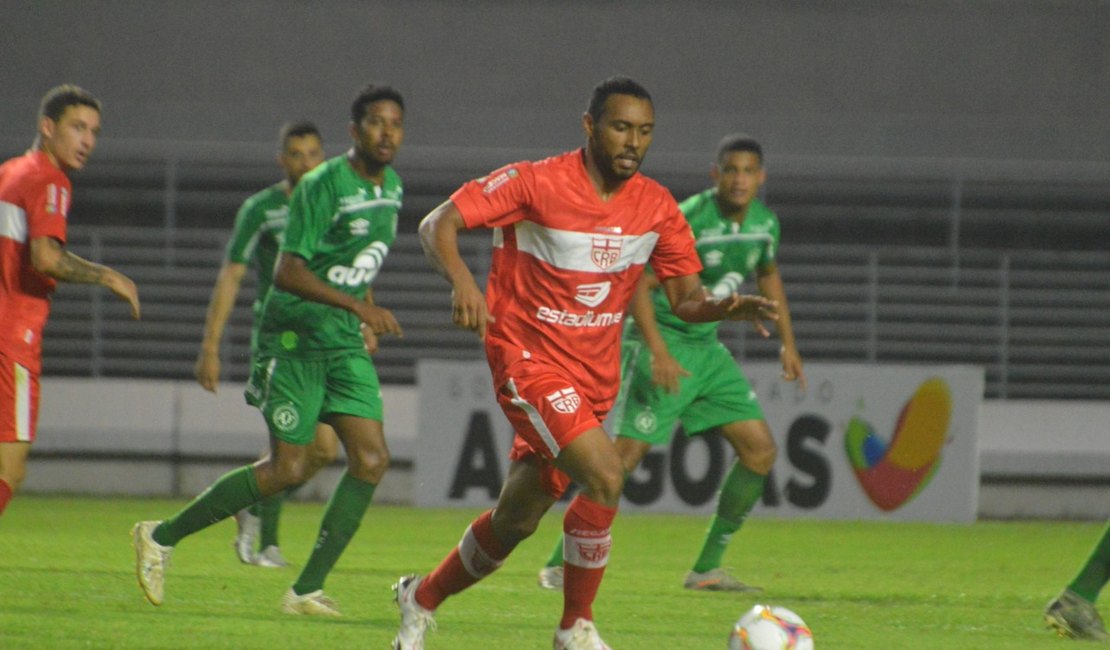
pixel 310 211
pixel 244 236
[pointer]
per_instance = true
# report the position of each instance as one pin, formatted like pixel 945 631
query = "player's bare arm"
pixel 207 367
pixel 666 371
pixel 50 258
pixel 693 304
pixel 292 275
pixel 770 286
pixel 439 235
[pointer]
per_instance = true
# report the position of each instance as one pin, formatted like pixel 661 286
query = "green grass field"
pixel 67 581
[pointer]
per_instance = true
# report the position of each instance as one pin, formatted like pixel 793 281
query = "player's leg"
pixel 353 408
pixel 321 452
pixel 484 546
pixel 740 491
pixel 19 406
pixel 592 461
pixel 13 467
pixel 1073 612
pixel 367 461
pixel 293 401
pixel 726 401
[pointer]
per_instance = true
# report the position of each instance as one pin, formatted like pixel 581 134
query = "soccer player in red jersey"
pixel 572 234
pixel 34 202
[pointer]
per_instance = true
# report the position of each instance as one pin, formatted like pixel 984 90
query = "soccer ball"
pixel 765 627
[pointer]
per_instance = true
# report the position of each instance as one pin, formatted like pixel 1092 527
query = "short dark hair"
pixel 371 94
pixel 297 129
pixel 617 85
pixel 739 142
pixel 59 98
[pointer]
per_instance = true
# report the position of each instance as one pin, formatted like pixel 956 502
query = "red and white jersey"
pixel 34 201
pixel 565 263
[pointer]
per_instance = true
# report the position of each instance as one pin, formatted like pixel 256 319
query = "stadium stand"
pixel 897 270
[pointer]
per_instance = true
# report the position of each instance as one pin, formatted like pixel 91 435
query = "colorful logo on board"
pixel 893 473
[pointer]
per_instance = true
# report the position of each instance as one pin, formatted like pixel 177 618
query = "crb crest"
pixel 565 400
pixel 605 251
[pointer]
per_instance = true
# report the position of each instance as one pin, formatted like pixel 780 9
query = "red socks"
pixel 586 543
pixel 477 555
pixel 5 495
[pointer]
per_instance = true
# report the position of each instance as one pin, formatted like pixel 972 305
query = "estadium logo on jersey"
pixel 572 319
pixel 565 400
pixel 592 294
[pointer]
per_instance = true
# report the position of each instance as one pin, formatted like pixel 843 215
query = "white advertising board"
pixel 864 442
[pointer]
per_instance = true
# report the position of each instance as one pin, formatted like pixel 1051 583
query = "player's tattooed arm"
pixel 48 257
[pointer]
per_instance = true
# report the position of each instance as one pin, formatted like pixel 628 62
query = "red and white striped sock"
pixel 586 544
pixel 477 555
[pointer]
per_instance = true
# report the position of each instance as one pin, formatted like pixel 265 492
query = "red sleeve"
pixel 47 203
pixel 496 200
pixel 674 253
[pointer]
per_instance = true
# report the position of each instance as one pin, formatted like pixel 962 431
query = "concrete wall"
pixel 997 79
pixel 1037 458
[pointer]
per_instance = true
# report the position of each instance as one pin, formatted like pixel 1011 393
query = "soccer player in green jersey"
pixel 312 363
pixel 678 371
pixel 1073 612
pixel 255 241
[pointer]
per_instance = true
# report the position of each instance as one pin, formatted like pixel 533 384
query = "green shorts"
pixel 715 393
pixel 294 394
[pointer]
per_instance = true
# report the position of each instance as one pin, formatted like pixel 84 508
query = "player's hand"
pixel 124 288
pixel 666 372
pixel 792 367
pixel 469 309
pixel 369 338
pixel 207 370
pixel 378 320
pixel 757 309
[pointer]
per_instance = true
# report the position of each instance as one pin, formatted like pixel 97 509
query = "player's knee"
pixel 14 476
pixel 604 485
pixel 291 471
pixel 319 459
pixel 511 526
pixel 369 465
pixel 760 458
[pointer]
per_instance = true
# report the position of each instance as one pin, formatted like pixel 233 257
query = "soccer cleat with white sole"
pixel 1074 617
pixel 580 636
pixel 551 577
pixel 249 527
pixel 716 580
pixel 151 560
pixel 270 557
pixel 415 620
pixel 314 603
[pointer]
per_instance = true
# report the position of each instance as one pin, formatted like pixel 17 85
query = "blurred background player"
pixel 35 196
pixel 678 371
pixel 572 236
pixel 255 241
pixel 313 364
pixel 1073 612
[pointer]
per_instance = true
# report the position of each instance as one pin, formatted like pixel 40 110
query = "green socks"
pixel 268 512
pixel 341 519
pixel 231 493
pixel 1096 572
pixel 556 558
pixel 741 490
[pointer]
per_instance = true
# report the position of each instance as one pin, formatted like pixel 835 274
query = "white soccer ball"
pixel 766 627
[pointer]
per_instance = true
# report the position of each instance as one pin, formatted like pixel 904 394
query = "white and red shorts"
pixel 19 401
pixel 547 410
